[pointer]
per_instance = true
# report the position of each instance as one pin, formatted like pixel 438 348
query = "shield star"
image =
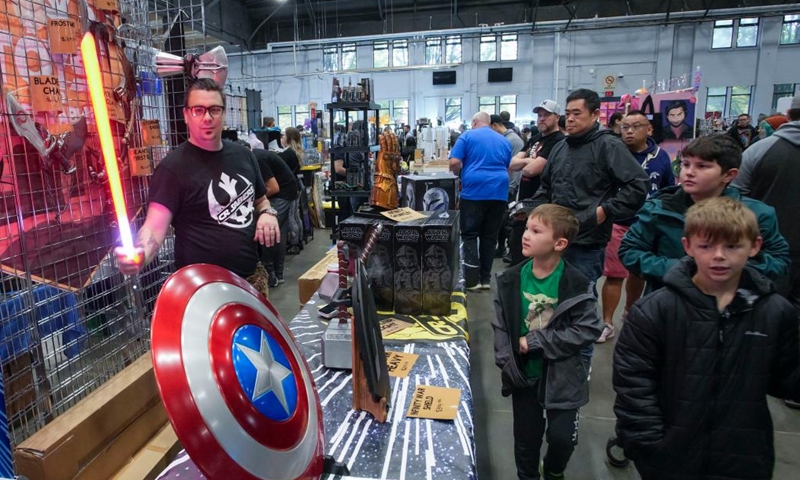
pixel 269 373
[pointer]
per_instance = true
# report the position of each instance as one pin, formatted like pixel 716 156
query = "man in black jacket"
pixel 744 133
pixel 695 360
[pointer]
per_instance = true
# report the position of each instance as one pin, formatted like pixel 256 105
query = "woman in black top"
pixel 293 153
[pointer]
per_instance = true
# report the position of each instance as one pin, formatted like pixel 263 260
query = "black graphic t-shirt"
pixel 538 146
pixel 212 199
pixel 272 165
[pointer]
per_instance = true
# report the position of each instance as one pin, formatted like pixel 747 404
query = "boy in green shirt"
pixel 546 313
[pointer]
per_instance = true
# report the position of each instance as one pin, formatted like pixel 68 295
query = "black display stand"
pixel 369 143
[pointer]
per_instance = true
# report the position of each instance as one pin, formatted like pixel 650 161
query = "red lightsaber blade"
pixel 94 78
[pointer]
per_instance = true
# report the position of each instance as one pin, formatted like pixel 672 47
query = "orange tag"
pixel 438 403
pixel 140 162
pixel 63 37
pixel 111 5
pixel 46 93
pixel 151 133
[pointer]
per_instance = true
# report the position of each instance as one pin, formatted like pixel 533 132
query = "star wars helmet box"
pixel 440 261
pixel 431 192
pixel 408 267
pixel 380 266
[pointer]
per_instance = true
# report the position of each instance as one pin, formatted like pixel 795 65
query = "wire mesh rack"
pixel 68 319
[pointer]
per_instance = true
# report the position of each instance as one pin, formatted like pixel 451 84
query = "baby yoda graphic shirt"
pixel 212 199
pixel 539 300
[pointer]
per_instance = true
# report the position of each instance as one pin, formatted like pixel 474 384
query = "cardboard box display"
pixel 429 192
pixel 408 267
pixel 440 261
pixel 309 282
pixel 95 438
pixel 151 460
pixel 380 266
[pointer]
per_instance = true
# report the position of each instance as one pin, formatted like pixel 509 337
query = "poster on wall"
pixel 672 116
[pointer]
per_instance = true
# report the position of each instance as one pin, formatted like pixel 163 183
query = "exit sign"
pixel 609 93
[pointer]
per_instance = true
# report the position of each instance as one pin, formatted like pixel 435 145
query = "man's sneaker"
pixel 549 476
pixel 485 286
pixel 475 287
pixel 273 280
pixel 608 332
pixel 280 279
pixel 792 404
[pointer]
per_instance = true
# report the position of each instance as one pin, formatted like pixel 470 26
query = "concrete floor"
pixel 493 420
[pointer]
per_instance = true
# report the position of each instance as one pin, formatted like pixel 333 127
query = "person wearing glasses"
pixel 637 134
pixel 212 193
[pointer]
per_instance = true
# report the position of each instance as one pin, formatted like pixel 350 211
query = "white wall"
pixel 549 66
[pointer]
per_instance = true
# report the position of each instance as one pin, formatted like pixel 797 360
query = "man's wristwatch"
pixel 268 211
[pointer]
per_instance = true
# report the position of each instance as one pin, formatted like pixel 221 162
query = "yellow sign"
pixel 111 5
pixel 609 83
pixel 151 133
pixel 140 162
pixel 434 402
pixel 403 214
pixel 46 94
pixel 63 37
pixel 400 364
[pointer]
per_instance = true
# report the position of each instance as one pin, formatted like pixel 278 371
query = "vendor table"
pixel 401 448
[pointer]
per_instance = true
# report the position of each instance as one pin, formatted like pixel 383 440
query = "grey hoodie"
pixel 770 172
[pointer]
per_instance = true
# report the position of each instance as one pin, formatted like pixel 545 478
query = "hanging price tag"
pixel 63 35
pixel 46 93
pixel 151 133
pixel 140 162
pixel 111 5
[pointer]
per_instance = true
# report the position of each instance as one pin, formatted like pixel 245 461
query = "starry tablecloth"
pixel 401 448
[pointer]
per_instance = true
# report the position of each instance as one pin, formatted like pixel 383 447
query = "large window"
pixel 292 115
pixel 400 53
pixel 508 46
pixel 731 101
pixel 433 51
pixel 452 49
pixel 497 104
pixel 782 90
pixel 393 111
pixel 508 103
pixel 453 115
pixel 744 30
pixel 380 55
pixel 339 57
pixel 790 31
pixel 487 104
pixel 488 48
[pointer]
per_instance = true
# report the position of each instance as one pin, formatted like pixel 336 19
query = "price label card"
pixel 403 214
pixel 151 133
pixel 140 162
pixel 438 403
pixel 63 36
pixel 393 325
pixel 111 5
pixel 46 93
pixel 399 364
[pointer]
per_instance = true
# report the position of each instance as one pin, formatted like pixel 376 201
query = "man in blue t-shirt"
pixel 481 156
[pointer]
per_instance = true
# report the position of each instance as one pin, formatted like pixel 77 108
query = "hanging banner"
pixel 63 35
pixel 46 96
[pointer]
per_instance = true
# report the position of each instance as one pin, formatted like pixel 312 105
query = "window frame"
pixel 487 39
pixel 506 38
pixel 735 25
pixel 454 103
pixel 756 25
pixel 330 52
pixel 399 45
pixel 776 95
pixel 451 42
pixel 788 21
pixel 347 48
pixel 729 99
pixel 381 46
pixel 433 44
pixel 394 108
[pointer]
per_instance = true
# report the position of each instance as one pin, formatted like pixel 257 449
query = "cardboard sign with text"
pixel 140 162
pixel 63 36
pixel 393 325
pixel 151 133
pixel 403 214
pixel 46 93
pixel 400 363
pixel 438 403
pixel 110 5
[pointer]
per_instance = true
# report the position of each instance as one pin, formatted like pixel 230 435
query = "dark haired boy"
pixel 653 245
pixel 695 360
pixel 546 313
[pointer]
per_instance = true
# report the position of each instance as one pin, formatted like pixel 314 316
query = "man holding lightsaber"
pixel 212 193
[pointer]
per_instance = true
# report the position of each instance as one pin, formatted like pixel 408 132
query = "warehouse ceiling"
pixel 254 24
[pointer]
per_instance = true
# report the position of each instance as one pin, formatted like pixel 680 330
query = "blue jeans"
pixel 480 219
pixel 589 261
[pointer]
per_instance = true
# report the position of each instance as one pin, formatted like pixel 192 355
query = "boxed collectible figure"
pixel 440 261
pixel 354 230
pixel 408 267
pixel 432 192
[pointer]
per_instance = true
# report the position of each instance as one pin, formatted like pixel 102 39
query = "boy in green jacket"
pixel 708 165
pixel 546 313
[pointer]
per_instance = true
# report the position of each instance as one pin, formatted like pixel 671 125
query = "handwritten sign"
pixel 140 162
pixel 438 403
pixel 393 325
pixel 115 110
pixel 63 36
pixel 399 364
pixel 110 5
pixel 403 214
pixel 46 93
pixel 151 133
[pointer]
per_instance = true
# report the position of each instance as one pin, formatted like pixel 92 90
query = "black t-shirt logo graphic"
pixel 235 211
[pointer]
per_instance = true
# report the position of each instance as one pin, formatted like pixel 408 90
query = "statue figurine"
pixel 387 167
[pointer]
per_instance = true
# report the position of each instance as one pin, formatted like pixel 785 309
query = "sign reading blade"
pixel 95 80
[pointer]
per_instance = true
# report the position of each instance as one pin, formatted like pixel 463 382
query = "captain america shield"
pixel 237 390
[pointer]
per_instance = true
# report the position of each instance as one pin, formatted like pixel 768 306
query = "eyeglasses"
pixel 635 126
pixel 199 111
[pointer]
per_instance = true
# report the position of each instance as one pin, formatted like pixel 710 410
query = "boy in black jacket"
pixel 696 359
pixel 546 313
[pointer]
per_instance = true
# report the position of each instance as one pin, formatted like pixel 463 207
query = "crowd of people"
pixel 717 328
